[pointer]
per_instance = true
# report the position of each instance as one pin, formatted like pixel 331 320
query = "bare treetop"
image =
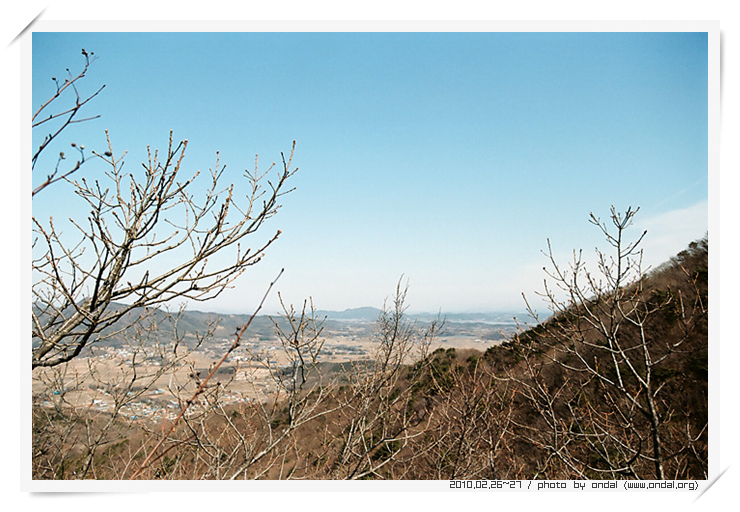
pixel 146 240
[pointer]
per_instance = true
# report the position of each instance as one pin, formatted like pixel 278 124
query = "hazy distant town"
pixel 251 369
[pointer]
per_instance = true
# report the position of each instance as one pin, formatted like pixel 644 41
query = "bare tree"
pixel 70 430
pixel 151 236
pixel 59 120
pixel 376 418
pixel 147 240
pixel 603 372
pixel 351 424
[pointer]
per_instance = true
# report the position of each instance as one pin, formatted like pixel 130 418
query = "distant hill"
pixel 369 314
pixel 366 314
pixel 497 318
pixel 192 322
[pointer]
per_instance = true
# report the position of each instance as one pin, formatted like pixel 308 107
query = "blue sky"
pixel 449 158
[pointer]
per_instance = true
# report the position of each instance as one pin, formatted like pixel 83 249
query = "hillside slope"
pixel 614 387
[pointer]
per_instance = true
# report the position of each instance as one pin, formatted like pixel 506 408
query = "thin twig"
pixel 203 384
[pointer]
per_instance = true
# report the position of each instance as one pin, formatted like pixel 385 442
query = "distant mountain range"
pixel 369 314
pixel 366 314
pixel 263 326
